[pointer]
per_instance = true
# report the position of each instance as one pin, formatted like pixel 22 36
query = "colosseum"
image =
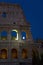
pixel 16 41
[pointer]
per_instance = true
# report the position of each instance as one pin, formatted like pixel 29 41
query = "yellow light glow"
pixel 17 34
pixel 3 56
pixel 24 53
pixel 3 38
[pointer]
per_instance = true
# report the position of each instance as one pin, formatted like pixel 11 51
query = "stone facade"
pixel 12 18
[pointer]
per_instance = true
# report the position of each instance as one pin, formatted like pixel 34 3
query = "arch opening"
pixel 14 54
pixel 24 53
pixel 3 54
pixel 4 35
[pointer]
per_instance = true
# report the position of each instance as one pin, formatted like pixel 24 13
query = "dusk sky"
pixel 33 11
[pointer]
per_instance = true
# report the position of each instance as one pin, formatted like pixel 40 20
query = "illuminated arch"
pixel 14 53
pixel 14 35
pixel 3 54
pixel 24 53
pixel 23 35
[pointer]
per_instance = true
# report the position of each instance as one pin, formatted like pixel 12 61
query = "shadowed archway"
pixel 3 54
pixel 24 53
pixel 14 53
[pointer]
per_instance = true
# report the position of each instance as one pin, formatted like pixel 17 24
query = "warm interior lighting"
pixel 17 35
pixel 3 54
pixel 3 38
pixel 14 53
pixel 24 53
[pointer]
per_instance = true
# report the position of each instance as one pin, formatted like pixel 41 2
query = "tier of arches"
pixel 14 35
pixel 14 53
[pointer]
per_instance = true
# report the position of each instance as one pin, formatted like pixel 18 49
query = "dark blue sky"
pixel 33 10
